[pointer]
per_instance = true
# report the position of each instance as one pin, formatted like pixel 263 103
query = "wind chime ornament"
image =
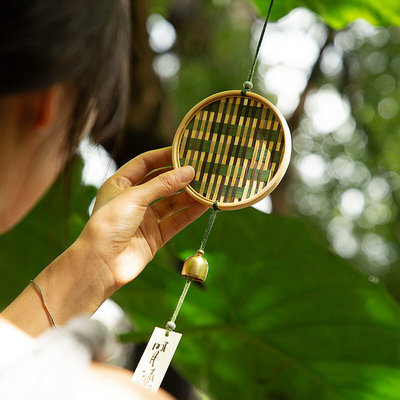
pixel 239 145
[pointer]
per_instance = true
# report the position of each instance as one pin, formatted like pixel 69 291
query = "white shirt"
pixel 54 365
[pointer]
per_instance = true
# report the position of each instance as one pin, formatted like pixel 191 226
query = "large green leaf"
pixel 280 316
pixel 338 13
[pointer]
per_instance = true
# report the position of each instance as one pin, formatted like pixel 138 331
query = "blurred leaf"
pixel 222 38
pixel 339 13
pixel 280 316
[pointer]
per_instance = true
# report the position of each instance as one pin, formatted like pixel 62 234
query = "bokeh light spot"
pixel 312 168
pixel 162 34
pixel 378 189
pixel 166 65
pixel 388 108
pixel 352 202
pixel 327 109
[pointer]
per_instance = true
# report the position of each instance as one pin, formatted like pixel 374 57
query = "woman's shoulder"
pixel 107 382
pixel 64 364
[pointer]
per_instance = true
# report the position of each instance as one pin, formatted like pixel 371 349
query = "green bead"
pixel 248 85
pixel 196 267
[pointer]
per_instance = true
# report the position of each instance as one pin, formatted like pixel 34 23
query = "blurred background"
pixel 333 70
pixel 338 89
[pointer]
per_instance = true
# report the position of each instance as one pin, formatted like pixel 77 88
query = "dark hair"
pixel 80 42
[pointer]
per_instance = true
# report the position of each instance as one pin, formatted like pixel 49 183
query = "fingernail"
pixel 185 174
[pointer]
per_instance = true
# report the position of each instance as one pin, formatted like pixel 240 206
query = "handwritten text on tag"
pixel 156 359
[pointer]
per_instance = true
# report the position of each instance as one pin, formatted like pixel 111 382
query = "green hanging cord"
pixel 248 85
pixel 209 226
pixel 171 326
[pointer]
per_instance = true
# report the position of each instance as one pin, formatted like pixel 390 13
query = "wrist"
pixel 81 276
pixel 73 284
pixel 77 282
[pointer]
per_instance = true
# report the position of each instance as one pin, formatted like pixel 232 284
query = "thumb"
pixel 163 185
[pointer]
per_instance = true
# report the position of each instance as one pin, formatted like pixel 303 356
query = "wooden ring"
pixel 238 144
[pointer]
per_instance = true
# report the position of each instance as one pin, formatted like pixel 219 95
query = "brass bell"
pixel 196 267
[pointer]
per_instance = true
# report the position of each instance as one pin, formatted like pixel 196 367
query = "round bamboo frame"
pixel 277 177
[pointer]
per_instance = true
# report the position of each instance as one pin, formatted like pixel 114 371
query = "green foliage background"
pixel 280 315
pixel 338 13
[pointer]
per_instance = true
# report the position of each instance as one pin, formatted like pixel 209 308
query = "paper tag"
pixel 156 358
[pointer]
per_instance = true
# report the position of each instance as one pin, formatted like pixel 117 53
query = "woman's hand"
pixel 137 211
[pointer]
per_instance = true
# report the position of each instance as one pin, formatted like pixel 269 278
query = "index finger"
pixel 136 169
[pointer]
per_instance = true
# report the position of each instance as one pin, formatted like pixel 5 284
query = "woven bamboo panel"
pixel 238 145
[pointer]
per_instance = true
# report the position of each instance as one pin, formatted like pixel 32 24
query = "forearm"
pixel 134 218
pixel 71 285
